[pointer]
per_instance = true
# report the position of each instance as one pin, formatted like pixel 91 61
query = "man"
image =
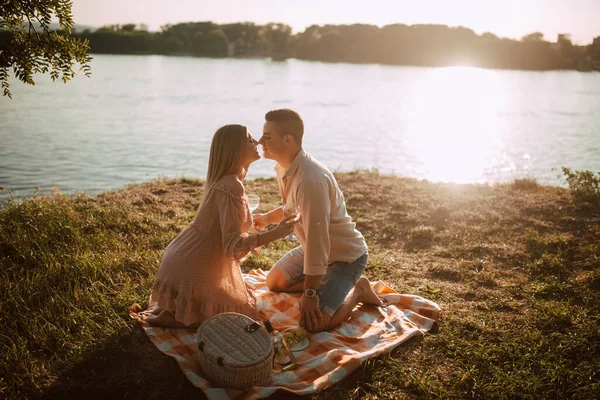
pixel 328 264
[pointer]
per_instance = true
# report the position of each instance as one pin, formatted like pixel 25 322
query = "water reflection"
pixel 455 131
pixel 141 117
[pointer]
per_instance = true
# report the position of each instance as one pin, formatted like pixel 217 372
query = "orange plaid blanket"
pixel 330 356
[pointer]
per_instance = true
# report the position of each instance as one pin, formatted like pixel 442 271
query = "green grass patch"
pixel 585 187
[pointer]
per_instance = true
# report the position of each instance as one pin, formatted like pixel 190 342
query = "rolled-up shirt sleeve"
pixel 315 205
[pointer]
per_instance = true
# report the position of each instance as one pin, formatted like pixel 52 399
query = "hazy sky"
pixel 505 18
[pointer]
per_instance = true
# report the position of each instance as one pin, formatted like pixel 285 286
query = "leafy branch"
pixel 30 52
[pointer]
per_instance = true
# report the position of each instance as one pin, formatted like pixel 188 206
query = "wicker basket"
pixel 235 351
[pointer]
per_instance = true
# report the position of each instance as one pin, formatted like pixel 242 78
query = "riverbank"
pixel 515 268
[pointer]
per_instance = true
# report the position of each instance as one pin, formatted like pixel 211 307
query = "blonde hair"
pixel 226 153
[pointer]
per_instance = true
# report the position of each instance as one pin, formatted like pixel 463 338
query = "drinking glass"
pixel 253 201
pixel 288 211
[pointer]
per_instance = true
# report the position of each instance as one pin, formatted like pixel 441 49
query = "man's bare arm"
pixel 261 221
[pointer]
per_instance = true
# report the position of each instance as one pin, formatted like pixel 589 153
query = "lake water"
pixel 141 117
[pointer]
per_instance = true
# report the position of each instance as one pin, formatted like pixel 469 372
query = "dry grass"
pixel 514 267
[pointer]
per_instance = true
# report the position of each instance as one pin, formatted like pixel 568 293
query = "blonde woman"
pixel 199 274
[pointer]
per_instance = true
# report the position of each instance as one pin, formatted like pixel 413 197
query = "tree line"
pixel 397 44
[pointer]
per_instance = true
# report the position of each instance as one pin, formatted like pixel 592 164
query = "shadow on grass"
pixel 130 367
pixel 127 367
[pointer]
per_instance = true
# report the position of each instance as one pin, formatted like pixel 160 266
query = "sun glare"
pixel 456 124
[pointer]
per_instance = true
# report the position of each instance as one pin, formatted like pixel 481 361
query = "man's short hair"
pixel 288 122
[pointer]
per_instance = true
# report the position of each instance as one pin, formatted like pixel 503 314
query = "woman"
pixel 199 274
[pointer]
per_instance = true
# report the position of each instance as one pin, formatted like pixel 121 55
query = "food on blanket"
pixel 294 336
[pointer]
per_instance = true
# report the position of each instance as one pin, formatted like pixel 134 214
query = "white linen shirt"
pixel 325 230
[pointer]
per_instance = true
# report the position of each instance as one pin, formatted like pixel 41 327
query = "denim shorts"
pixel 337 282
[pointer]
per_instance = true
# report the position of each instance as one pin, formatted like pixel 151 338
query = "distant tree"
pixel 331 46
pixel 594 49
pixel 128 27
pixel 246 38
pixel 567 50
pixel 212 44
pixel 109 28
pixel 490 37
pixel 32 50
pixel 276 36
pixel 533 37
pixel 170 45
pixel 359 43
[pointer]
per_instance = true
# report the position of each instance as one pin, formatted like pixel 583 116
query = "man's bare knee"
pixel 276 282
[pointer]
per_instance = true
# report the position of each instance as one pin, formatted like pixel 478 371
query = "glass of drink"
pixel 253 201
pixel 289 211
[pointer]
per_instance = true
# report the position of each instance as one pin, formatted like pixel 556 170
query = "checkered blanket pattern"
pixel 330 356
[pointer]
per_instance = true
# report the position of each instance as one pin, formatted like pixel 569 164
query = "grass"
pixel 515 268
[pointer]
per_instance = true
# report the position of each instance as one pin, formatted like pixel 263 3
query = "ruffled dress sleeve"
pixel 235 219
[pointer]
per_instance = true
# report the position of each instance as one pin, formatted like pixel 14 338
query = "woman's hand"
pixel 261 221
pixel 285 227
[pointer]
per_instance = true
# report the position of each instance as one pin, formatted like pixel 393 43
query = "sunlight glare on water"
pixel 455 125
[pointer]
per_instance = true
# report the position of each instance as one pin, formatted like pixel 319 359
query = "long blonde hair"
pixel 226 153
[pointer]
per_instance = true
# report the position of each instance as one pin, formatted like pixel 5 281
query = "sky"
pixel 504 18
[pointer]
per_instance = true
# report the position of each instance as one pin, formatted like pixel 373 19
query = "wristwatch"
pixel 310 293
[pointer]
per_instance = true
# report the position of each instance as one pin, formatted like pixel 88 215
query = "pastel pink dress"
pixel 200 273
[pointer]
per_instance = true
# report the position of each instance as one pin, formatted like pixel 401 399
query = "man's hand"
pixel 310 315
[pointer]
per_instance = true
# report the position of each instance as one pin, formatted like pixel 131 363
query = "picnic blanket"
pixel 330 356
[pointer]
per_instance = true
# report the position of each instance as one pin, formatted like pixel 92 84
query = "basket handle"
pixel 251 328
pixel 219 359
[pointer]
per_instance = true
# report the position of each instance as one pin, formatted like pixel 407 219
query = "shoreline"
pixel 7 193
pixel 416 65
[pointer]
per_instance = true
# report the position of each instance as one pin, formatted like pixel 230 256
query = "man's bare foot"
pixel 366 294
